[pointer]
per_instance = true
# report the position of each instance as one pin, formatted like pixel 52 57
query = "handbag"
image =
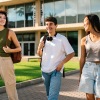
pixel 16 56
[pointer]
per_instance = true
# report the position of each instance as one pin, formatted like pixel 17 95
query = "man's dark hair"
pixel 5 13
pixel 52 19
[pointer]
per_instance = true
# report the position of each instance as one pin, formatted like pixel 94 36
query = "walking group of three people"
pixel 55 50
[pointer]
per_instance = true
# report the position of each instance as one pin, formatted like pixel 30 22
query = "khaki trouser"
pixel 7 74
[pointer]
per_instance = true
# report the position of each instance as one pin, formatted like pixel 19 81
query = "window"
pixel 73 39
pixel 11 11
pixel 48 8
pixel 26 37
pixel 59 12
pixel 95 7
pixel 28 15
pixel 71 11
pixel 21 15
pixel 83 9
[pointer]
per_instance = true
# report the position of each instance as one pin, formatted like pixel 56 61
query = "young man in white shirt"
pixel 54 52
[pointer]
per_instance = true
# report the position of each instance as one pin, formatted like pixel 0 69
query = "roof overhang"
pixel 62 27
pixel 14 2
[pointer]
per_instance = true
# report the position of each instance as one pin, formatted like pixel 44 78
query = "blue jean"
pixel 52 82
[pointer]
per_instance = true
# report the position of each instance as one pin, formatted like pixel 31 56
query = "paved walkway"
pixel 37 92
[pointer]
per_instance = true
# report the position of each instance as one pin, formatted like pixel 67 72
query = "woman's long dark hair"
pixel 94 21
pixel 5 13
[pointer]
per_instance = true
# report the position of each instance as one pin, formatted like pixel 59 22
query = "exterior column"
pixel 37 23
pixel 37 40
pixel 38 9
pixel 81 34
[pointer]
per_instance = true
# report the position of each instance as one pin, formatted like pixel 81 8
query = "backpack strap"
pixel 44 39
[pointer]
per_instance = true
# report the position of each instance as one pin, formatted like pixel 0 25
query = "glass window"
pixel 71 11
pixel 32 49
pixel 20 37
pixel 23 15
pixel 95 7
pixel 48 8
pixel 73 39
pixel 53 8
pixel 43 33
pixel 11 11
pixel 26 49
pixel 20 15
pixel 83 9
pixel 63 33
pixel 26 37
pixel 29 37
pixel 29 15
pixel 32 37
pixel 59 11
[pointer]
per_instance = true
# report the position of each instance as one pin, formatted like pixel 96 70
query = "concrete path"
pixel 69 90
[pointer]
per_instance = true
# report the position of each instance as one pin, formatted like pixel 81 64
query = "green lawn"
pixel 31 70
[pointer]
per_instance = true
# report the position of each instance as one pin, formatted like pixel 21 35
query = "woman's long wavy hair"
pixel 94 21
pixel 5 13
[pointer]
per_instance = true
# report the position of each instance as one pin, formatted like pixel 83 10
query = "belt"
pixel 97 63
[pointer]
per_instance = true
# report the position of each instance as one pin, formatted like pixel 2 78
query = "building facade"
pixel 26 18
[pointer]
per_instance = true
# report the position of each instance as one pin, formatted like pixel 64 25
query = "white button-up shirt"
pixel 54 52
